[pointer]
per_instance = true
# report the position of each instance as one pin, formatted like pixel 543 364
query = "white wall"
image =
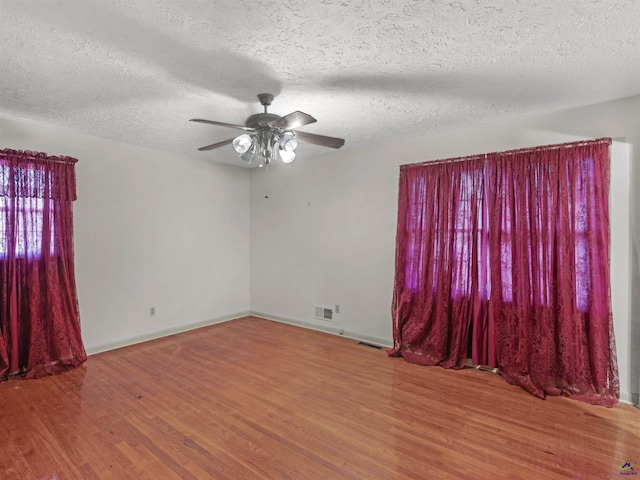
pixel 634 266
pixel 151 229
pixel 619 215
pixel 326 234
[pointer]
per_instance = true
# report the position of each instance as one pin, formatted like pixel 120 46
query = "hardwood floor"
pixel 255 399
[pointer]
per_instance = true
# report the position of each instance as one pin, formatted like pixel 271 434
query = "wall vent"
pixel 370 345
pixel 324 313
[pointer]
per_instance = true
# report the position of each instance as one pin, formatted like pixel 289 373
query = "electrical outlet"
pixel 337 309
pixel 152 312
pixel 341 332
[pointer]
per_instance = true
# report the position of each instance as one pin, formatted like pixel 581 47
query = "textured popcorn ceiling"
pixel 368 70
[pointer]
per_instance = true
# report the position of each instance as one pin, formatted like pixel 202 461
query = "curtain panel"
pixel 39 313
pixel 504 257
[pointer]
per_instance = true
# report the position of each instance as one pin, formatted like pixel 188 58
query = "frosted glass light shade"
pixel 288 141
pixel 242 143
pixel 248 156
pixel 287 156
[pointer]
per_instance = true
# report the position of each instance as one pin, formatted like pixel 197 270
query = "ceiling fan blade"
pixel 332 142
pixel 222 124
pixel 293 120
pixel 216 145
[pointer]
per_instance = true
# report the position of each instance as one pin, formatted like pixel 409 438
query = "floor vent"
pixel 485 368
pixel 370 345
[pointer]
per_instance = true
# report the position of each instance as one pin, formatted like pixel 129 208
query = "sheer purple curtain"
pixel 437 261
pixel 39 315
pixel 505 258
pixel 550 278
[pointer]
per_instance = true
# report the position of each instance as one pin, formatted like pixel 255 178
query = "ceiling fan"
pixel 269 136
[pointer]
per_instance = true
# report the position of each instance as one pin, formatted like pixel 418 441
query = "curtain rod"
pixel 36 156
pixel 478 156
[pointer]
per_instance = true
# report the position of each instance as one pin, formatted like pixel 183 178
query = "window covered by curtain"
pixel 505 257
pixel 39 315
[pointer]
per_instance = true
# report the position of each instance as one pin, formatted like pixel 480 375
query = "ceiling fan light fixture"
pixel 242 143
pixel 287 156
pixel 288 142
pixel 248 156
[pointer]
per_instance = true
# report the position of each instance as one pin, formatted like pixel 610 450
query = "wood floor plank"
pixel 256 399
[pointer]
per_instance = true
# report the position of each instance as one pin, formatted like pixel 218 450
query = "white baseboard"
pixel 92 350
pixel 326 329
pixel 625 397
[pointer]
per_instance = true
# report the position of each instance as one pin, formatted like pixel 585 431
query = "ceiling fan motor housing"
pixel 261 119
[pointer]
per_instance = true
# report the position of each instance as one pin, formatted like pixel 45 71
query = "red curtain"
pixel 505 258
pixel 39 315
